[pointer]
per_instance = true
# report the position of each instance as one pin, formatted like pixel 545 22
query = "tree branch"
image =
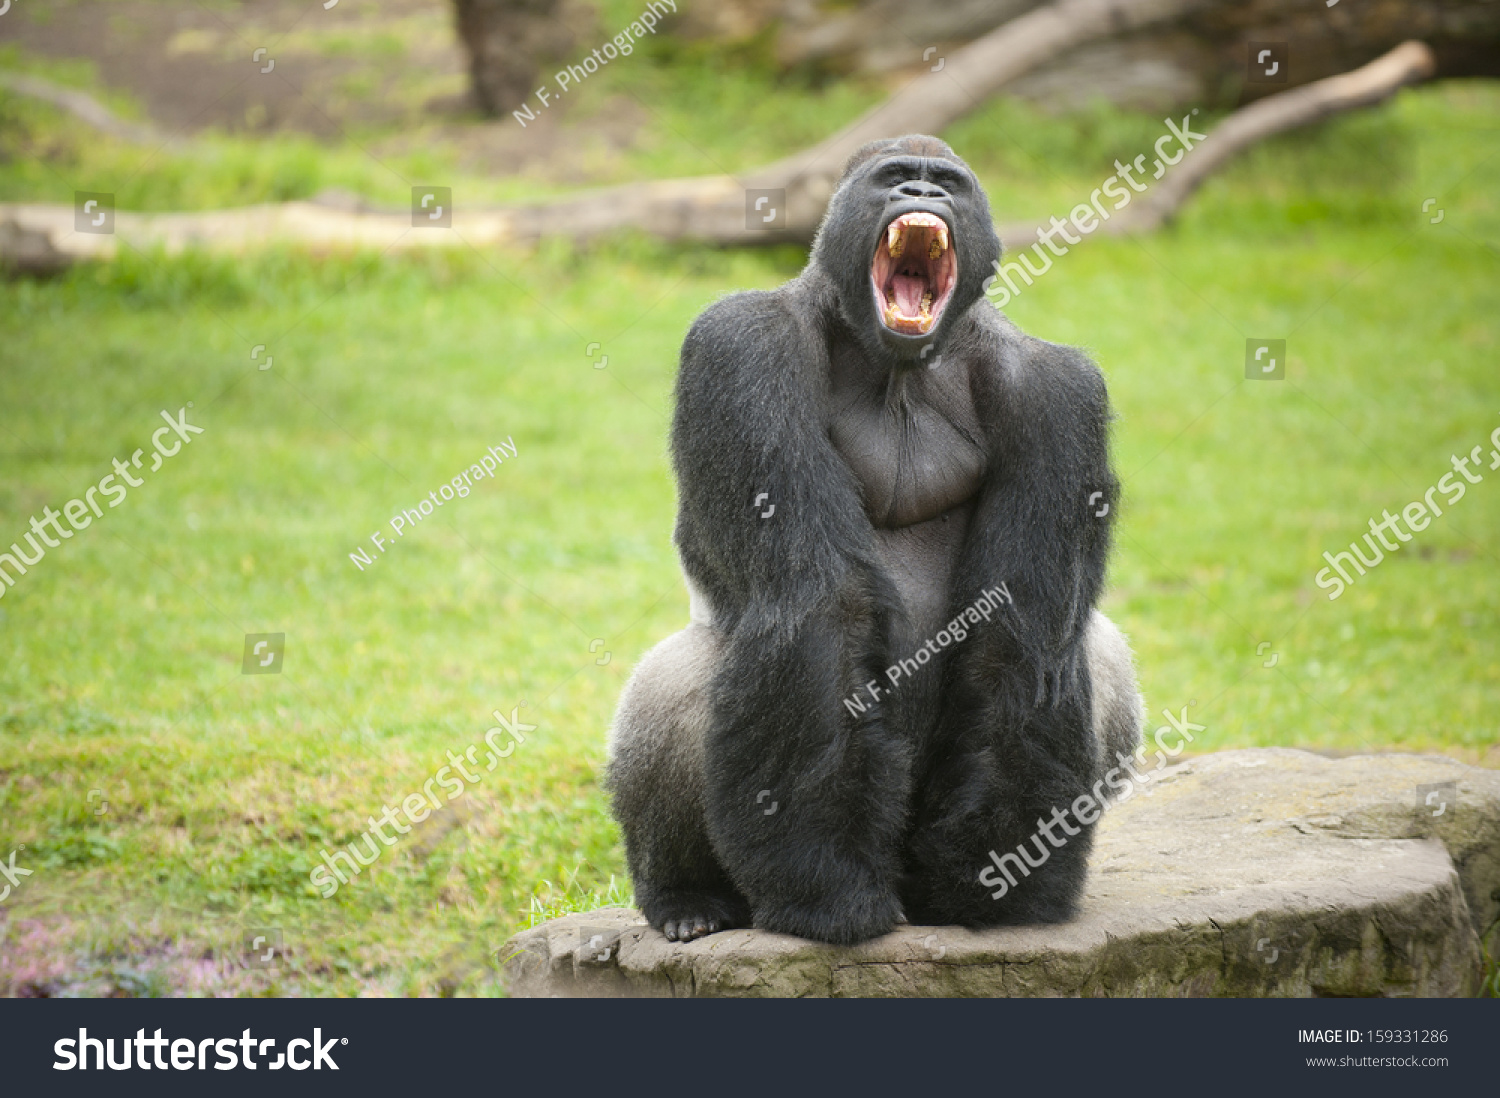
pixel 1408 63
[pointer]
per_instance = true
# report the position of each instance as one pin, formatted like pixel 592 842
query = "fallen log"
pixel 694 208
pixel 712 208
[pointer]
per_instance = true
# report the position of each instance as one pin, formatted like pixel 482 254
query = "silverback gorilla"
pixel 860 454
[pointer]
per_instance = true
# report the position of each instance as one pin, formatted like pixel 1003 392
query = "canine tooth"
pixel 895 239
pixel 927 302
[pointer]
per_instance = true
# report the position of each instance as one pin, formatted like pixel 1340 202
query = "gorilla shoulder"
pixel 1054 378
pixel 743 324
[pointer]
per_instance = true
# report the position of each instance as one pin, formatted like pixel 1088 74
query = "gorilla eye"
pixel 950 180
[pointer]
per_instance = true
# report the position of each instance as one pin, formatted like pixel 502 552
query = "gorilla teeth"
pixel 895 234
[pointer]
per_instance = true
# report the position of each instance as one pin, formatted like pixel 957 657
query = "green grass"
pixel 120 652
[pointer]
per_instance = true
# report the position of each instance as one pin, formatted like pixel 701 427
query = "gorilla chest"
pixel 914 442
pixel 916 446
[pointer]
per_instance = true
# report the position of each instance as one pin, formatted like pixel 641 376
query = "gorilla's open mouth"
pixel 914 272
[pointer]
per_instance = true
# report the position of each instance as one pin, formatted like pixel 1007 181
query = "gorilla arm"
pixel 1014 736
pixel 805 798
pixel 1047 509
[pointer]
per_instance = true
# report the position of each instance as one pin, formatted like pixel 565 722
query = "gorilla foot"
pixel 686 930
pixel 686 916
pixel 849 919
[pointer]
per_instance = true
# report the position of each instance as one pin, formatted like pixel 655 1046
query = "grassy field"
pixel 170 804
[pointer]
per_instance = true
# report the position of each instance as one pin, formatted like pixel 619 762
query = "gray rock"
pixel 1263 873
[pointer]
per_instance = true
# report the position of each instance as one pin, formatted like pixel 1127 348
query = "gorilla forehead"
pixel 913 144
pixel 856 197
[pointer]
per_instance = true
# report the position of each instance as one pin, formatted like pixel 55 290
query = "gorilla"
pixel 861 454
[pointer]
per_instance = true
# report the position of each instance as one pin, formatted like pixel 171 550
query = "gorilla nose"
pixel 917 189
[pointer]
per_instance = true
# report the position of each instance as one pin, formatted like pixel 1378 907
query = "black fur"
pixel 892 811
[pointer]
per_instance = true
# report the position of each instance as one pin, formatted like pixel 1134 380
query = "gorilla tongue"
pixel 908 292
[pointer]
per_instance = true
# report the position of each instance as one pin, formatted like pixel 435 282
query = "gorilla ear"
pixel 913 144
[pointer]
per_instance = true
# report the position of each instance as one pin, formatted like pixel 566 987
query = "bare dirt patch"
pixel 391 73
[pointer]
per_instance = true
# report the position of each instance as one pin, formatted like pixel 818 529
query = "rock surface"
pixel 1260 872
